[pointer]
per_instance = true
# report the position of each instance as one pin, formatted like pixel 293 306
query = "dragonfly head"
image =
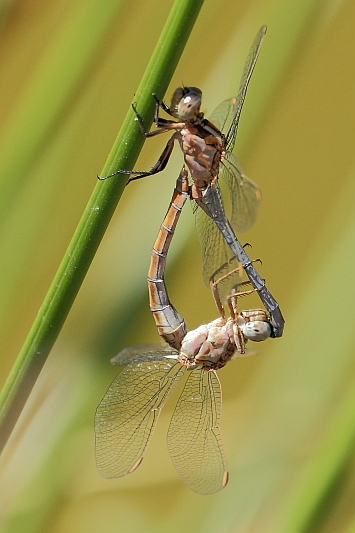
pixel 254 325
pixel 185 103
pixel 256 330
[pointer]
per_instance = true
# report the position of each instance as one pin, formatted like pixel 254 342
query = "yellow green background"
pixel 68 73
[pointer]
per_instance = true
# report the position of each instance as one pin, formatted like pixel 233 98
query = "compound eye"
pixel 186 102
pixel 256 330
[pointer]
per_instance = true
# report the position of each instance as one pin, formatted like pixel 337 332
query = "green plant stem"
pixel 317 484
pixel 95 219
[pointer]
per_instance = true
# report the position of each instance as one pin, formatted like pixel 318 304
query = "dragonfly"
pixel 127 415
pixel 207 149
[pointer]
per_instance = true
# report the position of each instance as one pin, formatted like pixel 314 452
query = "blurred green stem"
pixel 313 494
pixel 95 219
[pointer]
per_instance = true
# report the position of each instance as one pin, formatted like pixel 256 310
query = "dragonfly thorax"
pixel 185 103
pixel 208 345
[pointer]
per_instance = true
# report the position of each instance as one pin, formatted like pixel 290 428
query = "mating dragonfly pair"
pixel 127 415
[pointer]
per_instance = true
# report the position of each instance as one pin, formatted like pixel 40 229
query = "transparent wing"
pixel 141 352
pixel 126 416
pixel 245 199
pixel 244 194
pixel 226 115
pixel 215 251
pixel 194 438
pixel 222 116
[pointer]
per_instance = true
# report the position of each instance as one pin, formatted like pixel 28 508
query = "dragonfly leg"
pixel 162 124
pixel 214 284
pixel 231 272
pixel 217 299
pixel 158 167
pixel 160 104
pixel 160 164
pixel 235 294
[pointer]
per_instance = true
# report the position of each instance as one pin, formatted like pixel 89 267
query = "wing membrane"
pixel 214 249
pixel 245 199
pixel 226 115
pixel 142 352
pixel 194 438
pixel 244 193
pixel 127 415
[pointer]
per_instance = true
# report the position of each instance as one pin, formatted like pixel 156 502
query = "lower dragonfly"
pixel 207 148
pixel 128 413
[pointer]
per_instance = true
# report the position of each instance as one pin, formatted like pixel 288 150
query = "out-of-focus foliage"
pixel 287 419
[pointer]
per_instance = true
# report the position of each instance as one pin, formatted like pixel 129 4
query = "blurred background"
pixel 69 71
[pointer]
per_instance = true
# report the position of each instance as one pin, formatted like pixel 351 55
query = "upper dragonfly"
pixel 207 148
pixel 128 413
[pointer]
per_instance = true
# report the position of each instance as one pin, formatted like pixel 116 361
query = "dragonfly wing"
pixel 244 194
pixel 194 437
pixel 223 115
pixel 126 416
pixel 142 352
pixel 215 251
pixel 226 116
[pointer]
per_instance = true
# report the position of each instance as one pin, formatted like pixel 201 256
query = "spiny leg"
pixel 214 283
pixel 163 126
pixel 158 167
pixel 235 294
